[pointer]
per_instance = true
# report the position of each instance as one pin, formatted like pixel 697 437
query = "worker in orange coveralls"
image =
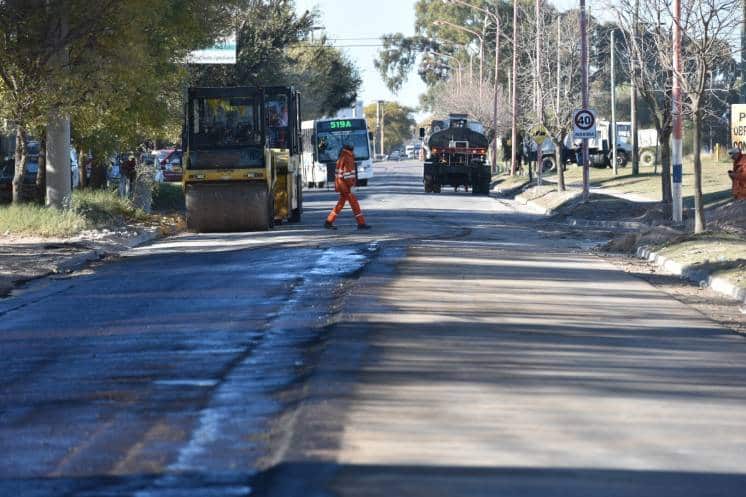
pixel 343 183
pixel 738 174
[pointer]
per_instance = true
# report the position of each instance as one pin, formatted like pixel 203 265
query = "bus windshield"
pixel 330 144
pixel 332 134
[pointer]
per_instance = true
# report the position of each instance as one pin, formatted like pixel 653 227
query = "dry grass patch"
pixel 91 209
pixel 34 220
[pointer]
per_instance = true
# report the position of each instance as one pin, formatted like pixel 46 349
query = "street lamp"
pixel 612 49
pixel 496 19
pixel 441 22
pixel 468 50
pixel 458 63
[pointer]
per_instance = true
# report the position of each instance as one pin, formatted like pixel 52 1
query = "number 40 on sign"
pixel 584 124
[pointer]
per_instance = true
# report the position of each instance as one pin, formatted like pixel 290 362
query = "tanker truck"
pixel 455 155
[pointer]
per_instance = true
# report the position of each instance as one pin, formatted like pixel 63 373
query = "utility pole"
pixel 559 76
pixel 496 85
pixel 677 151
pixel 743 53
pixel 612 49
pixel 514 103
pixel 558 149
pixel 584 83
pixel 633 97
pixel 539 96
pixel 471 69
pixel 381 121
pixel 59 188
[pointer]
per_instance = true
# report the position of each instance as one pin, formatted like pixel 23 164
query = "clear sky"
pixel 351 23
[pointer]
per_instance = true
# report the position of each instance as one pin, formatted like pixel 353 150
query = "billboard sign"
pixel 738 126
pixel 222 52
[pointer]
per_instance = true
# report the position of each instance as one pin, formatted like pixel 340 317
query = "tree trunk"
pixel 699 208
pixel 41 175
pixel 666 194
pixel 20 165
pixel 560 164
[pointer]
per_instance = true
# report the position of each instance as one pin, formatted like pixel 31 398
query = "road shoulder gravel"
pixel 26 259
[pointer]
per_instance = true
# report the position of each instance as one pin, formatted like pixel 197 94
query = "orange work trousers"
pixel 346 195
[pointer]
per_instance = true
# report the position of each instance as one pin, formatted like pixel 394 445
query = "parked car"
pixel 74 168
pixel 147 158
pixel 171 166
pixel 32 161
pixel 6 182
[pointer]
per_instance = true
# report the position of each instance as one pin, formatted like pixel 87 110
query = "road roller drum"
pixel 224 207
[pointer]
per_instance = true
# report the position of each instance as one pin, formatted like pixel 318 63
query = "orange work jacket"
pixel 345 177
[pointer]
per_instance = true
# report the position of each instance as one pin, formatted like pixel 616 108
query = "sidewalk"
pixel 716 259
pixel 25 259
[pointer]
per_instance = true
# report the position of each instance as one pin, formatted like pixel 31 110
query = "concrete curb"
pixel 508 192
pixel 78 261
pixel 719 284
pixel 537 208
pixel 595 223
pixel 82 259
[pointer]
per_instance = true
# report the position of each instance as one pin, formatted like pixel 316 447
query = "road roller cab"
pixel 283 122
pixel 241 159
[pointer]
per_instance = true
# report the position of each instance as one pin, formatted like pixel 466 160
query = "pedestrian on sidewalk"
pixel 127 174
pixel 738 174
pixel 343 183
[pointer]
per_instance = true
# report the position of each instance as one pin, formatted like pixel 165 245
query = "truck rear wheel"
pixel 647 158
pixel 547 164
pixel 621 158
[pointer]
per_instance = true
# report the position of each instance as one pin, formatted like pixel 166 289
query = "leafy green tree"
pixel 86 58
pixel 400 53
pixel 398 124
pixel 273 49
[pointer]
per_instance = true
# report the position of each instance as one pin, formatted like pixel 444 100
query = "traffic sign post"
pixel 584 124
pixel 584 128
pixel 539 134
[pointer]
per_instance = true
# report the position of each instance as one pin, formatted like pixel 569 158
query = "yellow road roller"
pixel 241 159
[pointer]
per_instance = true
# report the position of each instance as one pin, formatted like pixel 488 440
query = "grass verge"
pixel 91 209
pixel 721 254
pixel 716 184
pixel 33 220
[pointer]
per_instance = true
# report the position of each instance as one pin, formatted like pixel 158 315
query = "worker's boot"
pixel 329 225
pixel 363 226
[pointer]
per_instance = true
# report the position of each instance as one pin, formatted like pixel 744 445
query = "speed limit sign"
pixel 584 124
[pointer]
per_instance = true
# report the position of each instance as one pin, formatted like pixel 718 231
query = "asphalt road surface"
pixel 459 348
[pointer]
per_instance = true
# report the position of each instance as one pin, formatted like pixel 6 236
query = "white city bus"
pixel 321 149
pixel 314 172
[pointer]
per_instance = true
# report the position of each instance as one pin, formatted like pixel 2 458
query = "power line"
pixel 308 44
